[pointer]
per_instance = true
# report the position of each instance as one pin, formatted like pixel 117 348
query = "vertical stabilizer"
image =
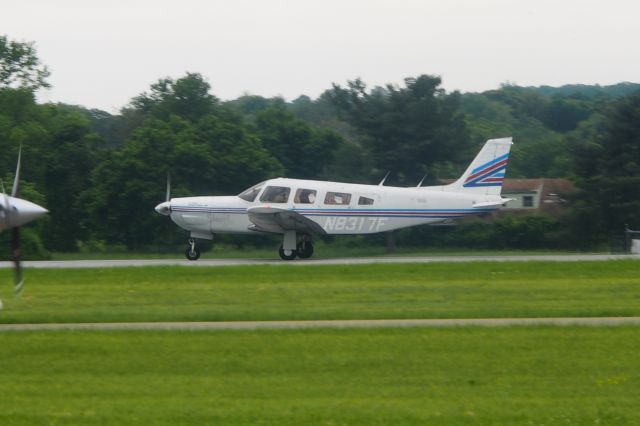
pixel 486 172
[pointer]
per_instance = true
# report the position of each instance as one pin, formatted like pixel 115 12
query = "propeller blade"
pixel 168 197
pixel 17 257
pixel 6 214
pixel 16 180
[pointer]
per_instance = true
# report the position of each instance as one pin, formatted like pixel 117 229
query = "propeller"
pixel 16 249
pixel 14 213
pixel 16 253
pixel 165 207
pixel 168 197
pixel 16 179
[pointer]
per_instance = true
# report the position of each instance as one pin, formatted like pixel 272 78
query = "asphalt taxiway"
pixel 122 263
pixel 384 323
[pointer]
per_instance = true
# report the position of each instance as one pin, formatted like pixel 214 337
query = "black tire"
pixel 284 256
pixel 304 250
pixel 192 255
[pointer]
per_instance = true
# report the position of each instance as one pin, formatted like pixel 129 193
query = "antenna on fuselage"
pixel 422 180
pixel 384 178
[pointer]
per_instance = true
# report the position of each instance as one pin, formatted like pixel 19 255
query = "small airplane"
pixel 15 212
pixel 299 209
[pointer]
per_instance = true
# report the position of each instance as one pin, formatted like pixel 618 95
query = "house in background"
pixel 532 196
pixel 548 196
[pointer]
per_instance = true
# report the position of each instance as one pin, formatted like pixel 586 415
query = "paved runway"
pixel 341 261
pixel 389 323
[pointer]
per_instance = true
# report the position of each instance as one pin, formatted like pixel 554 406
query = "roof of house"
pixel 521 185
pixel 558 187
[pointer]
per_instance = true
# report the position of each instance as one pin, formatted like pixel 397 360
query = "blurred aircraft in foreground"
pixel 15 212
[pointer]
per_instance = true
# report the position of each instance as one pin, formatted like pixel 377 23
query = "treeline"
pixel 100 175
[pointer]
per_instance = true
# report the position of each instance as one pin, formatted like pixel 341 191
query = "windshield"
pixel 251 193
pixel 275 194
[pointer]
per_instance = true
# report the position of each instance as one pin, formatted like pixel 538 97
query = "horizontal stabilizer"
pixel 492 203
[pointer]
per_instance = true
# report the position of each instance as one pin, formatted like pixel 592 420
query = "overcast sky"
pixel 101 54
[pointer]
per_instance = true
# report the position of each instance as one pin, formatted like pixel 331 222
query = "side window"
pixel 275 194
pixel 365 201
pixel 305 196
pixel 337 198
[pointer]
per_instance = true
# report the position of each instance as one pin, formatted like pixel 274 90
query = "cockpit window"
pixel 337 198
pixel 251 193
pixel 305 196
pixel 275 194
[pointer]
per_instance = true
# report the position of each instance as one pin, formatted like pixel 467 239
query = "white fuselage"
pixel 359 209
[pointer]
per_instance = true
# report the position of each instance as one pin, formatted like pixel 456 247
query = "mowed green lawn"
pixel 444 290
pixel 453 376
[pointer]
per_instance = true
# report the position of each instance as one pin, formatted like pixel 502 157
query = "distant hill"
pixel 590 91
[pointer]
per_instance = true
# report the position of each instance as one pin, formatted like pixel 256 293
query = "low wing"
pixel 278 220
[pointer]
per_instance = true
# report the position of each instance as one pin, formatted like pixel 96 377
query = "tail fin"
pixel 486 172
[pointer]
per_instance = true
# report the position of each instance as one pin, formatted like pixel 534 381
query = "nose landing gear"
pixel 193 251
pixel 286 254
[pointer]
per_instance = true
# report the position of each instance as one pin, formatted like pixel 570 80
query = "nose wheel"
pixel 193 251
pixel 286 254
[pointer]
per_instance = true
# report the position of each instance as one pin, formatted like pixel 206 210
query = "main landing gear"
pixel 293 246
pixel 193 251
pixel 303 248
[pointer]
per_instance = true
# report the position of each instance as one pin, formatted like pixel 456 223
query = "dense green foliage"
pixel 608 171
pixel 406 129
pixel 100 175
pixel 459 376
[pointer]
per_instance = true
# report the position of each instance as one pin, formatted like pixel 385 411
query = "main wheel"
pixel 192 254
pixel 304 250
pixel 286 254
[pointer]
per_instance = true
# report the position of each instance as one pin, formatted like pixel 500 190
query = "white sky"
pixel 103 53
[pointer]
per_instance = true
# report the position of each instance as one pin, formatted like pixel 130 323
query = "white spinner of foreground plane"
pixel 299 209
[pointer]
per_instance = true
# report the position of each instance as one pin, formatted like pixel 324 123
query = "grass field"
pixel 470 290
pixel 459 376
pixel 453 376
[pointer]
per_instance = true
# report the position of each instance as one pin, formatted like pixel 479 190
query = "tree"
pixel 71 154
pixel 20 66
pixel 303 150
pixel 608 170
pixel 187 97
pixel 406 129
